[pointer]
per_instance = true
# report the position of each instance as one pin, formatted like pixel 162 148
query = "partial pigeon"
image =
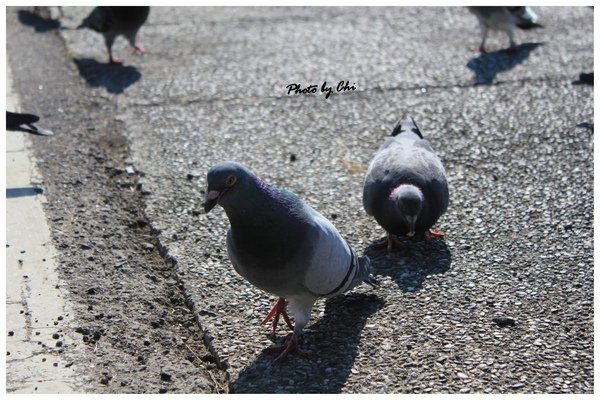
pixel 504 19
pixel 114 21
pixel 25 122
pixel 282 246
pixel 405 188
pixel 587 78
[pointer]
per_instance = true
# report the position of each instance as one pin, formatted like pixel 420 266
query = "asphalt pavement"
pixel 504 304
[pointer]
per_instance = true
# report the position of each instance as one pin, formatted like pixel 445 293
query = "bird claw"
pixel 287 348
pixel 137 49
pixel 115 61
pixel 389 242
pixel 277 310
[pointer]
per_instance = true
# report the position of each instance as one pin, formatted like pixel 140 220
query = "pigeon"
pixel 114 21
pixel 586 78
pixel 25 122
pixel 405 188
pixel 281 245
pixel 504 19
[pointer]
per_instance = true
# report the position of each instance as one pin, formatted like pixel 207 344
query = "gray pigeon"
pixel 25 122
pixel 405 188
pixel 114 21
pixel 282 246
pixel 504 19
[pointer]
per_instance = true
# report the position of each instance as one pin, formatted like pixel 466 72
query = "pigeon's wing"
pixel 130 17
pixel 525 18
pixel 269 245
pixel 331 265
pixel 438 197
pixel 391 166
pixel 432 177
pixel 493 17
pixel 407 128
pixel 427 163
pixel 99 20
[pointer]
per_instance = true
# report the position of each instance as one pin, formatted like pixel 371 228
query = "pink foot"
pixel 286 348
pixel 114 61
pixel 137 49
pixel 277 310
pixel 434 234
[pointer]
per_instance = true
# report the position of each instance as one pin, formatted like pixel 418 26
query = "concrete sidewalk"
pixel 37 313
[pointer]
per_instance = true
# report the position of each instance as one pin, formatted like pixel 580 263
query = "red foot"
pixel 286 348
pixel 137 49
pixel 114 61
pixel 277 310
pixel 434 234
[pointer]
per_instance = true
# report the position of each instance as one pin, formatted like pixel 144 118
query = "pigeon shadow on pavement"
pixel 585 79
pixel 487 65
pixel 40 24
pixel 114 78
pixel 587 126
pixel 410 265
pixel 331 345
pixel 12 193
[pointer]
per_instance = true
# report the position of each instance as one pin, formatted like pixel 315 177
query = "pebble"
pixel 504 321
pixel 165 376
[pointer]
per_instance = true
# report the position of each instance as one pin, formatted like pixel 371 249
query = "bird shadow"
pixel 12 193
pixel 587 126
pixel 37 22
pixel 487 65
pixel 331 345
pixel 585 79
pixel 410 265
pixel 114 78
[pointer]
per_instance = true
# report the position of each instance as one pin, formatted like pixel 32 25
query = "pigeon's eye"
pixel 230 180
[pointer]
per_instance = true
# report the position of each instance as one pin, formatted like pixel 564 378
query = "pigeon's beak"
pixel 412 220
pixel 210 201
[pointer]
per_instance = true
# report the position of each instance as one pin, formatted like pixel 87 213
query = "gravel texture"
pixel 132 318
pixel 504 304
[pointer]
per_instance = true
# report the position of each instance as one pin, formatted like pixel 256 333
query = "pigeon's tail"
pixel 526 18
pixel 97 20
pixel 407 125
pixel 85 23
pixel 528 25
pixel 363 273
